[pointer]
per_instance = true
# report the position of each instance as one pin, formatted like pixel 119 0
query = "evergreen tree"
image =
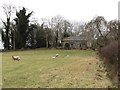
pixel 22 22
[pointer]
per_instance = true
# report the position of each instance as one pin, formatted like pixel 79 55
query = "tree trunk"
pixel 57 39
pixel 7 32
pixel 46 40
pixel 7 40
pixel 13 40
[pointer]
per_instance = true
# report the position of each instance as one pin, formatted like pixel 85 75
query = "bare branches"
pixel 8 10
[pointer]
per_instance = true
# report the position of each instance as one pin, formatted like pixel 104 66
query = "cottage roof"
pixel 73 38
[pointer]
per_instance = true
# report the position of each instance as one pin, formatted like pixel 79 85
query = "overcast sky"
pixel 78 10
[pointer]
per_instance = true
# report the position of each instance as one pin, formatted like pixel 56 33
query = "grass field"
pixel 37 69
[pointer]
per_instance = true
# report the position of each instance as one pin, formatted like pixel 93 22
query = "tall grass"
pixel 38 69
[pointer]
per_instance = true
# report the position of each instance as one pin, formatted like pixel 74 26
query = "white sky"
pixel 76 10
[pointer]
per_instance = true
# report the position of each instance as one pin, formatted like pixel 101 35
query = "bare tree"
pixel 113 29
pixel 61 28
pixel 48 32
pixel 98 30
pixel 8 10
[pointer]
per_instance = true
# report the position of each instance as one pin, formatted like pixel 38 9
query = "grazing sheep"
pixel 67 55
pixel 16 58
pixel 53 57
pixel 57 55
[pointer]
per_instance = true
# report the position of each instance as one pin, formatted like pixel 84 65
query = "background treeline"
pixel 23 32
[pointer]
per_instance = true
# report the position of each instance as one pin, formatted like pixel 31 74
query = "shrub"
pixel 110 52
pixel 109 55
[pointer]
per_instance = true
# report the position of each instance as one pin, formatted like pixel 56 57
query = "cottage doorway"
pixel 67 46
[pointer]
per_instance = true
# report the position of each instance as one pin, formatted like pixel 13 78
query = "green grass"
pixel 38 69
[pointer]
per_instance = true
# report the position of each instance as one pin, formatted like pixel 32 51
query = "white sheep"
pixel 53 57
pixel 67 55
pixel 16 58
pixel 57 55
